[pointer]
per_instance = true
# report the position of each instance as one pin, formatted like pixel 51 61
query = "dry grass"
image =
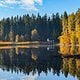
pixel 7 43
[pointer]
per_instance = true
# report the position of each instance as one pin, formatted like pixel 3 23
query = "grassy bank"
pixel 18 43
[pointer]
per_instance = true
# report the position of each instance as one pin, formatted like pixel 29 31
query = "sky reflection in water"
pixel 34 64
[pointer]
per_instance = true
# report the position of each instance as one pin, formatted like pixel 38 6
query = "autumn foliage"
pixel 70 36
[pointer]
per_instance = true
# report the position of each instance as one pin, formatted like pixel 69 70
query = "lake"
pixel 37 64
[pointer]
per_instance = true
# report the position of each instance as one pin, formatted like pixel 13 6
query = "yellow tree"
pixel 34 35
pixel 73 42
pixel 78 26
pixel 71 23
pixel 17 38
pixel 64 44
pixel 65 22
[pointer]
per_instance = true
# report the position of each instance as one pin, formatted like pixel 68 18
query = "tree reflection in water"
pixel 37 61
pixel 30 60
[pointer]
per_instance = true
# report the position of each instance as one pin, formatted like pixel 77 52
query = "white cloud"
pixel 25 4
pixel 28 4
pixel 1 5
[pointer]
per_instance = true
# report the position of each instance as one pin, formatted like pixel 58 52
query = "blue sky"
pixel 20 7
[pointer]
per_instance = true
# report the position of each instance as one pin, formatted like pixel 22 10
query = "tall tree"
pixel 65 22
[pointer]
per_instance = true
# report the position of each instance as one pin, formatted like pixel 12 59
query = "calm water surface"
pixel 37 64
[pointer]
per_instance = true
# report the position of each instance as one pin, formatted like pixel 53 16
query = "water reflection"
pixel 38 61
pixel 71 66
pixel 30 60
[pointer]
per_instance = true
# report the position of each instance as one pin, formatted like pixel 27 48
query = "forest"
pixel 30 28
pixel 65 27
pixel 70 34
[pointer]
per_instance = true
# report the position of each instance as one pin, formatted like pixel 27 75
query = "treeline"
pixel 71 29
pixel 30 28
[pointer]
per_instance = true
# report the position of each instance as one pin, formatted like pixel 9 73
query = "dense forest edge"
pixel 70 35
pixel 31 28
pixel 64 28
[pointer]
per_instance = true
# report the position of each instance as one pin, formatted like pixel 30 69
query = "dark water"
pixel 37 64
